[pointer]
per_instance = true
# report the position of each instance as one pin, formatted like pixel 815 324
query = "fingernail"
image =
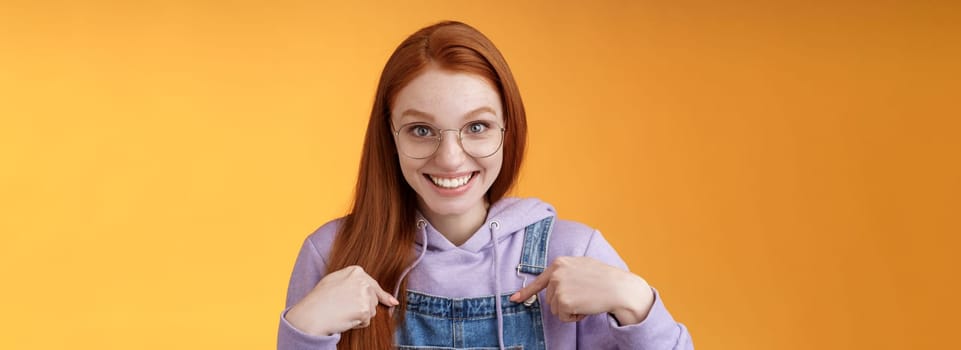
pixel 395 301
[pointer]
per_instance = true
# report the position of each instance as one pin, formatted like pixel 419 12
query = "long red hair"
pixel 378 234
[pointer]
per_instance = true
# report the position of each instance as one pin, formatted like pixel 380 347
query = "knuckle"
pixel 361 308
pixel 555 278
pixel 554 311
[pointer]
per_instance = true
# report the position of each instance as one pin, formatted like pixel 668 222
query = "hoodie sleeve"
pixel 308 270
pixel 658 331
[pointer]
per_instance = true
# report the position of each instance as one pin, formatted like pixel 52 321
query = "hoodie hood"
pixel 461 271
pixel 511 215
pixel 449 270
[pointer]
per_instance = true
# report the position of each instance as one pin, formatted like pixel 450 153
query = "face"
pixel 451 181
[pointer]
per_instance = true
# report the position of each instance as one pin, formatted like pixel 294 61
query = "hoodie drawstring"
pixel 422 226
pixel 494 225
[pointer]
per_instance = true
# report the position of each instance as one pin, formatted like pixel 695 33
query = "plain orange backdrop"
pixel 787 174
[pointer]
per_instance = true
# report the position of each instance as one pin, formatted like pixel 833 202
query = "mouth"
pixel 451 182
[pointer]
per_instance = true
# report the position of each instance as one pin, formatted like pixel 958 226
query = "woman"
pixel 433 255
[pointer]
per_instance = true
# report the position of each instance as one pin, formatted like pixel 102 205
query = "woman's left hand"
pixel 582 286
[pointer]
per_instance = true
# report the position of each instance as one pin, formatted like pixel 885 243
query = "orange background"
pixel 786 173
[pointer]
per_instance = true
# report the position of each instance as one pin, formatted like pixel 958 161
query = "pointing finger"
pixel 536 286
pixel 382 296
pixel 386 298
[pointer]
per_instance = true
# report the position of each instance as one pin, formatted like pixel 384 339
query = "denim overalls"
pixel 435 322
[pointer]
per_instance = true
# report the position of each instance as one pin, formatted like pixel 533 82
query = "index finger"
pixel 386 298
pixel 535 287
pixel 382 296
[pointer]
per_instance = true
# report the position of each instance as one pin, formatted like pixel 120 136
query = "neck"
pixel 457 228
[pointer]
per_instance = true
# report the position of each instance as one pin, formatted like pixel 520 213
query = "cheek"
pixel 493 165
pixel 409 169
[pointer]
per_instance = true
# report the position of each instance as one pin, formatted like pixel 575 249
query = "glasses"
pixel 479 139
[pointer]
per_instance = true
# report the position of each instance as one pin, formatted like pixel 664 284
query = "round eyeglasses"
pixel 479 139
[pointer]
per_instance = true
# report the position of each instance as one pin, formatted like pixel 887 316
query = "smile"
pixel 451 182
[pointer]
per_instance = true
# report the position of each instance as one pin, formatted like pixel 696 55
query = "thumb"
pixel 536 286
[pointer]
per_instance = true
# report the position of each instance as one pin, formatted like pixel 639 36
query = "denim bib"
pixel 439 323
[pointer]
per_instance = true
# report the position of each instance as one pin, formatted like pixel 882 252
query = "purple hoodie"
pixel 466 272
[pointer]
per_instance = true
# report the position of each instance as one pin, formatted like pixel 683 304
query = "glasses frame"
pixel 440 138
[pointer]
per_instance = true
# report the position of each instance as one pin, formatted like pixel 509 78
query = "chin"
pixel 446 206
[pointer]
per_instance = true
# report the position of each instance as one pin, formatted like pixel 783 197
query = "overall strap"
pixel 534 253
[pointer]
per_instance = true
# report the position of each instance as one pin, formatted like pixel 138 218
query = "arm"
pixel 309 268
pixel 656 329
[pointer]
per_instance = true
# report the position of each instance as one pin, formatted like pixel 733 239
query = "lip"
pixel 452 175
pixel 452 192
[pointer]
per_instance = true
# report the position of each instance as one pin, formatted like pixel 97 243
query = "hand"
pixel 343 300
pixel 582 286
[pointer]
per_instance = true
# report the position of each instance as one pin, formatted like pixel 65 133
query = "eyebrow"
pixel 417 113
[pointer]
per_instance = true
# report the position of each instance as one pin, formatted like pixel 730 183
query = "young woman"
pixel 434 256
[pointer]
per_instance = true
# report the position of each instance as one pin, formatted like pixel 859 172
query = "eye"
pixel 420 130
pixel 477 127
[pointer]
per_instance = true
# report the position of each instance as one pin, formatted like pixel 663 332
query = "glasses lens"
pixel 418 140
pixel 481 138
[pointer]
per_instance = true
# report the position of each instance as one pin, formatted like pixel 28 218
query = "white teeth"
pixel 451 183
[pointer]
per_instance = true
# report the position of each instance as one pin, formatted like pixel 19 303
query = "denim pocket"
pixel 438 323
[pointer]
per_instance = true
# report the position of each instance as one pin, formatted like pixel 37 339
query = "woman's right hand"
pixel 342 300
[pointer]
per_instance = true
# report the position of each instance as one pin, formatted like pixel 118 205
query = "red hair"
pixel 378 234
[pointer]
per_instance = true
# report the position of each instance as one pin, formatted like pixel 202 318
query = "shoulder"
pixel 322 239
pixel 570 238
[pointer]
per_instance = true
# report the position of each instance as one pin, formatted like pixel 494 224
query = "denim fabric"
pixel 439 323
pixel 534 255
pixel 433 322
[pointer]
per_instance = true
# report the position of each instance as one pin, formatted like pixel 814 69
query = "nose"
pixel 449 153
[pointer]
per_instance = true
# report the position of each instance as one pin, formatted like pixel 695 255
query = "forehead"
pixel 445 97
